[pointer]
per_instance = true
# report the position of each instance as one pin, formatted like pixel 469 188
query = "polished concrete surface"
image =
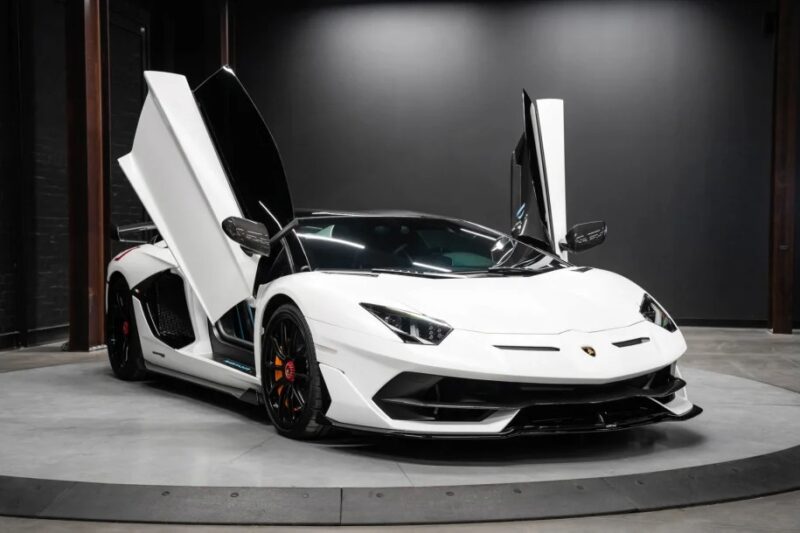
pixel 756 355
pixel 77 422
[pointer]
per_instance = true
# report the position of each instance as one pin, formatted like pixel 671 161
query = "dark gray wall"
pixel 48 264
pixel 33 178
pixel 796 312
pixel 184 38
pixel 417 105
pixel 129 31
pixel 9 155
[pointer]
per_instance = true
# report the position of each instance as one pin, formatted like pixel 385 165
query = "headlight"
pixel 656 314
pixel 410 327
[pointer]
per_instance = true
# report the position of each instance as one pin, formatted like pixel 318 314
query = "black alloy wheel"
pixel 293 391
pixel 122 336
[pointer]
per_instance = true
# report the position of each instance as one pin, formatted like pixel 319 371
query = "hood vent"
pixel 631 342
pixel 529 348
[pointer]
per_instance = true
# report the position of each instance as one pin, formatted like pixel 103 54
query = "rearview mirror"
pixel 252 236
pixel 581 237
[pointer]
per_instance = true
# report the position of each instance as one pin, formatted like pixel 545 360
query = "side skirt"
pixel 250 395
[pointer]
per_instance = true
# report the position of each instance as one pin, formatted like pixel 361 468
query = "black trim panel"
pixel 543 408
pixel 529 348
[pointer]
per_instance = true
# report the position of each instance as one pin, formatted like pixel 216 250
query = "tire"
pixel 122 335
pixel 290 375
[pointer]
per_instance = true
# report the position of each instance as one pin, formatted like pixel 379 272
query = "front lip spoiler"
pixel 521 432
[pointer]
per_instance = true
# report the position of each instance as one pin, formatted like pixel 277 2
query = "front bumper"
pixel 555 390
pixel 522 431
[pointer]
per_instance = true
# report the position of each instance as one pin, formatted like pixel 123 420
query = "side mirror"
pixel 581 237
pixel 252 236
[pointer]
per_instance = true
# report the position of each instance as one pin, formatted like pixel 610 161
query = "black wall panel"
pixel 128 43
pixel 417 105
pixel 9 156
pixel 796 312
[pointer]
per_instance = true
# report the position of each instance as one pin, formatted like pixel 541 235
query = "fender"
pixel 140 262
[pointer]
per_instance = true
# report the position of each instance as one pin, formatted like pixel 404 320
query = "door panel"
pixel 551 132
pixel 541 216
pixel 177 175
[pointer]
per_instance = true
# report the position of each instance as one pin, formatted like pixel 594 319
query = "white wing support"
pixel 175 171
pixel 550 121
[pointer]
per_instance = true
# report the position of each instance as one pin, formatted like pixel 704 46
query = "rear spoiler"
pixel 139 233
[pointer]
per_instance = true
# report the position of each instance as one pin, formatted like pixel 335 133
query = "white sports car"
pixel 392 322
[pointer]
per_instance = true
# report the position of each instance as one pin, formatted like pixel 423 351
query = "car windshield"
pixel 416 245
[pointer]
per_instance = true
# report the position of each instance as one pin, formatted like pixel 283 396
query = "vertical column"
pixel 86 162
pixel 784 166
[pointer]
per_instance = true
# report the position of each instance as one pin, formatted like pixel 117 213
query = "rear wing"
pixel 138 233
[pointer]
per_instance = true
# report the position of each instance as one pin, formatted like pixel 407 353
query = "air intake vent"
pixel 631 342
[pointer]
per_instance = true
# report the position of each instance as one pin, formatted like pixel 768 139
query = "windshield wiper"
pixel 512 270
pixel 417 273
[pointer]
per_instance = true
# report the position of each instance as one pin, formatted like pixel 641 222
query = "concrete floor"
pixel 174 433
pixel 746 353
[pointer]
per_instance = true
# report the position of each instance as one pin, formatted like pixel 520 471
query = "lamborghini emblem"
pixel 589 350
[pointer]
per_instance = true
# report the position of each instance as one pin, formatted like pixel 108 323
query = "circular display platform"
pixel 78 443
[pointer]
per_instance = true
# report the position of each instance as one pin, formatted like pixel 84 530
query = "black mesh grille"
pixel 164 302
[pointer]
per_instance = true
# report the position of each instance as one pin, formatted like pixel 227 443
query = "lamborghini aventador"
pixel 393 322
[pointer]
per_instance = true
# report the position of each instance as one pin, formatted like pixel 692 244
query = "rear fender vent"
pixel 164 303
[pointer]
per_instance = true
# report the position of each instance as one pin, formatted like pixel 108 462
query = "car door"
pixel 541 215
pixel 189 179
pixel 246 150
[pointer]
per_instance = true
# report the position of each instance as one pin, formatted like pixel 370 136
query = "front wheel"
pixel 290 375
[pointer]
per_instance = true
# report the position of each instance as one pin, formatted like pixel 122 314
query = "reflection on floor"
pixel 751 354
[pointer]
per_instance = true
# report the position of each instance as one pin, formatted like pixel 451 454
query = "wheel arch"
pixel 276 301
pixel 111 277
pixel 272 301
pixel 265 307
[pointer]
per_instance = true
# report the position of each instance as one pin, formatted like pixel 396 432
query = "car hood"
pixel 548 303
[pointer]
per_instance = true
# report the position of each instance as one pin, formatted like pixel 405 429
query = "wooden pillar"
pixel 784 166
pixel 85 164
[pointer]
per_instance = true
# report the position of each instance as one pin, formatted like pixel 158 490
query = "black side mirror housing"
pixel 583 236
pixel 250 235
